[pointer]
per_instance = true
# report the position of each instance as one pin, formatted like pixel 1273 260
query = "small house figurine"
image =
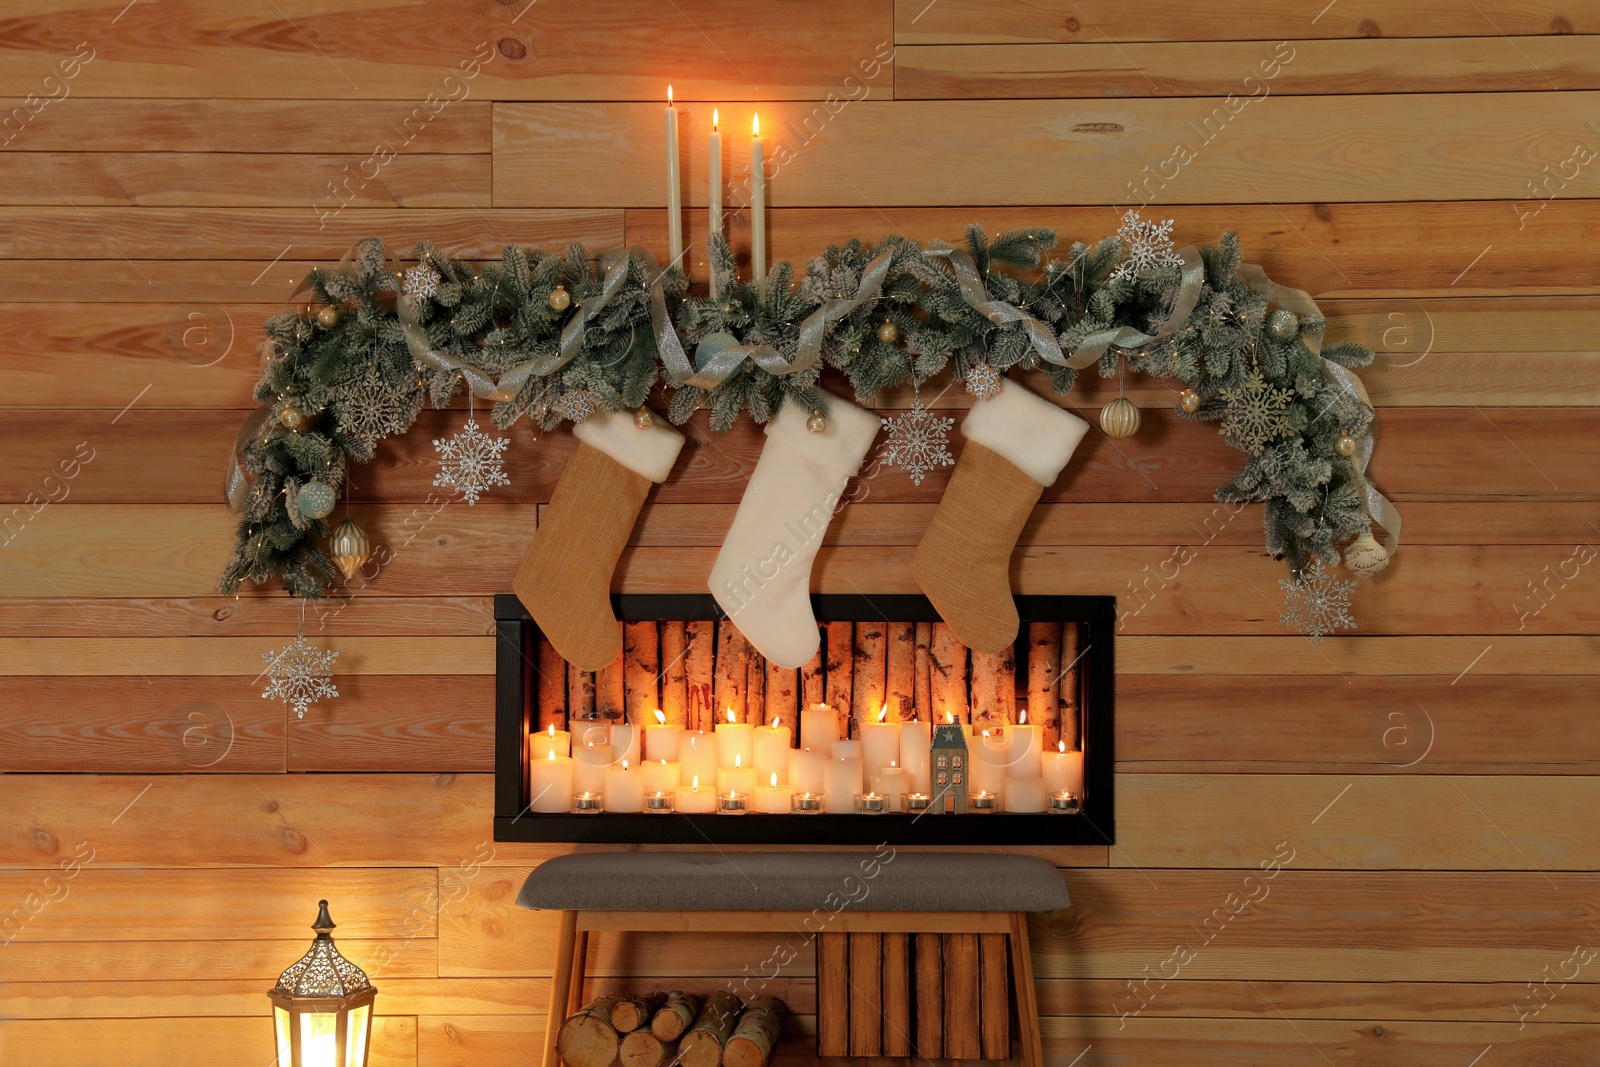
pixel 949 765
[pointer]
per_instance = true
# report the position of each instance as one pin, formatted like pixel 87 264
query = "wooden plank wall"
pixel 1380 852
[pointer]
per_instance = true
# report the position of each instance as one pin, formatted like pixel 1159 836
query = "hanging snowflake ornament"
pixel 1317 603
pixel 372 409
pixel 471 462
pixel 299 675
pixel 420 282
pixel 982 380
pixel 1257 413
pixel 1146 246
pixel 919 441
pixel 577 405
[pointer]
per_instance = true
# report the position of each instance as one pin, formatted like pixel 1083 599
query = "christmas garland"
pixel 557 337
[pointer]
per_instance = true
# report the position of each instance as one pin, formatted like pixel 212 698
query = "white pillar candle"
pixel 880 743
pixel 624 789
pixel 989 754
pixel 625 743
pixel 771 745
pixel 659 777
pixel 1022 794
pixel 805 770
pixel 734 738
pixel 714 201
pixel 758 203
pixel 1063 769
pixel 696 799
pixel 915 740
pixel 737 779
pixel 586 732
pixel 661 739
pixel 846 750
pixel 841 781
pixel 674 189
pixel 697 756
pixel 550 783
pixel 893 782
pixel 772 798
pixel 819 727
pixel 1026 750
pixel 551 740
pixel 589 765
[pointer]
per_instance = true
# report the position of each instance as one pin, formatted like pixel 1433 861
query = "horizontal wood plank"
pixel 1303 68
pixel 240 656
pixel 1346 655
pixel 1354 148
pixel 161 1042
pixel 345 612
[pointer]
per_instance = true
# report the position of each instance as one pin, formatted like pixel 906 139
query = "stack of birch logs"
pixel 693 671
pixel 661 1029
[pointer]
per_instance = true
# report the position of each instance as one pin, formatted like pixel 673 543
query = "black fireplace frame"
pixel 516 669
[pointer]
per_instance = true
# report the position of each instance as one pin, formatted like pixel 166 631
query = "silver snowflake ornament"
pixel 576 405
pixel 471 462
pixel 1316 604
pixel 372 409
pixel 1146 246
pixel 420 282
pixel 919 441
pixel 982 381
pixel 1257 413
pixel 299 675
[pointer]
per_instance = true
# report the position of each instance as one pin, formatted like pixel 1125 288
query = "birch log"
pixel 900 659
pixel 922 683
pixel 985 665
pixel 644 1049
pixel 609 691
pixel 871 675
pixel 700 636
pixel 588 1039
pixel 702 1045
pixel 1071 716
pixel 580 696
pixel 755 685
pixel 783 697
pixel 674 673
pixel 640 669
pixel 756 1035
pixel 635 1011
pixel 731 672
pixel 675 1016
pixel 813 678
pixel 1044 680
pixel 841 653
pixel 947 668
pixel 552 688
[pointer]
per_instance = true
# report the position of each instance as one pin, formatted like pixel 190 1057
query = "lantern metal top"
pixel 322 972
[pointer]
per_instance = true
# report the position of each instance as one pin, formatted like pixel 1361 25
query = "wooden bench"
pixel 958 915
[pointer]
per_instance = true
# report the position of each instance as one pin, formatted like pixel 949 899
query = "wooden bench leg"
pixel 561 982
pixel 1027 999
pixel 580 955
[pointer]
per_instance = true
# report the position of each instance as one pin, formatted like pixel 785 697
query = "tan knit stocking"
pixel 963 562
pixel 565 579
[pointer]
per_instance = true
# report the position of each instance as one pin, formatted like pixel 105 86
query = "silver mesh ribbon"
pixel 998 312
pixel 236 483
pixel 1190 282
pixel 1379 509
pixel 718 355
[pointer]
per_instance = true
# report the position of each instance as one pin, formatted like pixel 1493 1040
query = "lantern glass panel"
pixel 355 1054
pixel 280 1017
pixel 319 1039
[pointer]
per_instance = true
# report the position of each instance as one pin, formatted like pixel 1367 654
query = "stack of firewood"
pixel 661 1029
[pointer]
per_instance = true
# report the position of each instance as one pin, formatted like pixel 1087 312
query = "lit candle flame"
pixel 713 120
pixel 661 717
pixel 755 126
pixel 669 96
pixel 624 764
pixel 986 733
pixel 1022 720
pixel 552 731
pixel 696 785
pixel 774 779
pixel 738 757
pixel 550 754
pixel 663 763
pixel 883 713
pixel 776 721
pixel 730 716
pixel 949 716
pixel 894 763
pixel 1061 746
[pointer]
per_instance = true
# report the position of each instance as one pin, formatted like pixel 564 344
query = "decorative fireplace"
pixel 895 733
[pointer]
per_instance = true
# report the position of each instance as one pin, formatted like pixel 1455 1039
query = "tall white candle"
pixel 624 789
pixel 819 727
pixel 772 798
pixel 550 783
pixel 737 779
pixel 915 739
pixel 880 743
pixel 805 770
pixel 734 738
pixel 697 756
pixel 659 777
pixel 1022 794
pixel 589 768
pixel 674 190
pixel 892 782
pixel 1025 749
pixel 1063 769
pixel 661 739
pixel 841 781
pixel 771 745
pixel 696 799
pixel 625 743
pixel 758 203
pixel 551 740
pixel 989 754
pixel 715 199
pixel 846 750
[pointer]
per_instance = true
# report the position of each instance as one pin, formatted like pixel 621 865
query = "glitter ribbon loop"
pixel 1191 281
pixel 998 312
pixel 1379 509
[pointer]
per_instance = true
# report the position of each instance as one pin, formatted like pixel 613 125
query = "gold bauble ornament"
pixel 1189 401
pixel 560 299
pixel 644 419
pixel 1344 444
pixel 349 548
pixel 1283 325
pixel 888 332
pixel 328 317
pixel 817 423
pixel 290 417
pixel 1364 557
pixel 1120 418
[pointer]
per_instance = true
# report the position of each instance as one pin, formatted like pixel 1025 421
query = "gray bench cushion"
pixel 795 881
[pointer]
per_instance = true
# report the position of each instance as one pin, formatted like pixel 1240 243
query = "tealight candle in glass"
pixel 586 803
pixel 805 804
pixel 870 803
pixel 917 802
pixel 983 802
pixel 658 803
pixel 1065 803
pixel 733 803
